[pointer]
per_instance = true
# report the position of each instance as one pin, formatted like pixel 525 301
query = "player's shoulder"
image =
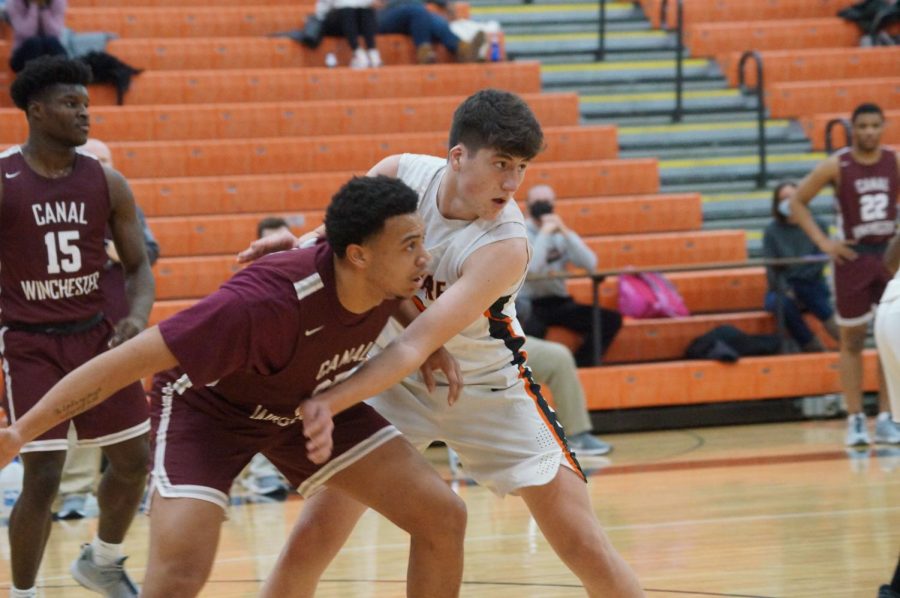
pixel 293 273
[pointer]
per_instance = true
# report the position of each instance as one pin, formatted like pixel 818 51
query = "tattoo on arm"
pixel 76 406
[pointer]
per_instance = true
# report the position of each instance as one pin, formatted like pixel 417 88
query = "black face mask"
pixel 539 208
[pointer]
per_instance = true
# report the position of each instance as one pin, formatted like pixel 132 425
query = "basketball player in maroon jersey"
pixel 55 206
pixel 237 365
pixel 866 186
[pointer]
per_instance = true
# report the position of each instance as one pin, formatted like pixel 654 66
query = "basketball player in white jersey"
pixel 499 424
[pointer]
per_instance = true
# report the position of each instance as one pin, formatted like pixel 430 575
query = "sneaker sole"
pixel 82 581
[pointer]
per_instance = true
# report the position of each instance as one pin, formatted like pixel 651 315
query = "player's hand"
pixel 10 445
pixel 839 251
pixel 442 360
pixel 125 329
pixel 275 242
pixel 317 427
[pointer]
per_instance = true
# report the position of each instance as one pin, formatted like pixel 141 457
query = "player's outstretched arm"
pixel 487 275
pixel 88 385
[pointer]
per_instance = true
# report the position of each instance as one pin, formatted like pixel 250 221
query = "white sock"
pixel 106 554
pixel 15 592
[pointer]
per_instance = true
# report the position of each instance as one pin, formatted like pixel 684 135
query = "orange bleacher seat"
pixel 312 191
pixel 320 154
pixel 79 4
pixel 816 64
pixel 209 53
pixel 706 11
pixel 191 277
pixel 790 100
pixel 167 308
pixel 276 85
pixel 710 291
pixel 275 119
pixel 660 249
pixel 666 338
pixel 696 382
pixel 462 9
pixel 189 21
pixel 711 39
pixel 618 215
pixel 220 234
pixel 814 127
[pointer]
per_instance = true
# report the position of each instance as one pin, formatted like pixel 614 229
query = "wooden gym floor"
pixel 766 511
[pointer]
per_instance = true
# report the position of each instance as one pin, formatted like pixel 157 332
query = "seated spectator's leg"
pixel 580 318
pixel 52 46
pixel 368 25
pixel 349 26
pixel 441 32
pixel 553 365
pixel 406 20
pixel 792 318
pixel 816 296
pixel 332 25
pixel 31 48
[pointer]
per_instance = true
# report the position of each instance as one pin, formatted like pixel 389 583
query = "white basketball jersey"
pixel 489 350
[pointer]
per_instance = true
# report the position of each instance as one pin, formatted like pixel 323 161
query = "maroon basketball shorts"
pixel 200 442
pixel 34 362
pixel 858 286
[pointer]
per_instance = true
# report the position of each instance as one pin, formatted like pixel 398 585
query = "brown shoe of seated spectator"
pixel 471 51
pixel 425 54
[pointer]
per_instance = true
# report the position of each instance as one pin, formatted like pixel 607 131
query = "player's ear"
pixel 456 153
pixel 357 255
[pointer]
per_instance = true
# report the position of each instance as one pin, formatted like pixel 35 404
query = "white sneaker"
pixel 374 58
pixel 886 431
pixel 360 59
pixel 857 433
pixel 331 60
pixel 111 581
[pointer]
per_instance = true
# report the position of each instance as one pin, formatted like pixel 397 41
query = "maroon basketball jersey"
pixel 271 336
pixel 51 241
pixel 867 198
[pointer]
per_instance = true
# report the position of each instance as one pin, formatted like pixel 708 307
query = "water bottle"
pixel 10 485
pixel 494 54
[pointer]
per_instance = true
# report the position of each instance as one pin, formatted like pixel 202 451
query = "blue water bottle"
pixel 494 49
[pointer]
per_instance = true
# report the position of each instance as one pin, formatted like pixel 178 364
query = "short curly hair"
pixel 498 120
pixel 43 73
pixel 361 207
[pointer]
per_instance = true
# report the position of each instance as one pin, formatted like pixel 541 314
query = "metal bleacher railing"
pixel 759 91
pixel 598 276
pixel 829 127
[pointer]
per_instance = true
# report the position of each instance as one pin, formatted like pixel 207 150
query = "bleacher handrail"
pixel 762 176
pixel 829 127
pixel 677 113
pixel 600 55
pixel 598 276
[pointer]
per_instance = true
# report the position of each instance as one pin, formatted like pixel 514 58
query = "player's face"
pixel 867 129
pixel 64 114
pixel 399 257
pixel 487 179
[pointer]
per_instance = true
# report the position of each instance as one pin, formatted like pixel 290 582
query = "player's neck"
pixel 354 292
pixel 866 156
pixel 48 159
pixel 450 202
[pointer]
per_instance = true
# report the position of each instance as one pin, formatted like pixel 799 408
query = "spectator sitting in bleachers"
pixel 795 289
pixel 412 18
pixel 556 246
pixel 37 26
pixel 350 19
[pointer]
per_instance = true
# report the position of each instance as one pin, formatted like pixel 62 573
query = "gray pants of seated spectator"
pixel 553 365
